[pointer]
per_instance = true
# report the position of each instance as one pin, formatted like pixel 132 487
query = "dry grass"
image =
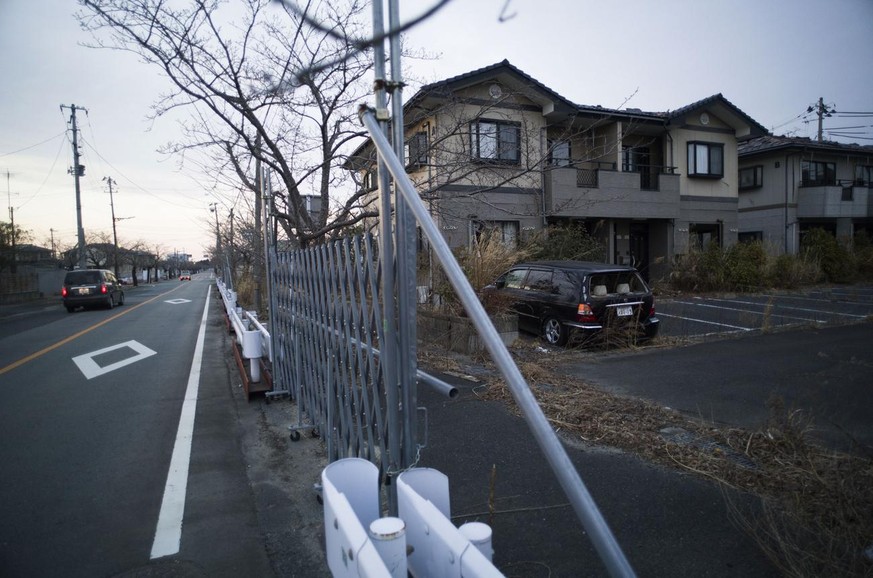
pixel 816 514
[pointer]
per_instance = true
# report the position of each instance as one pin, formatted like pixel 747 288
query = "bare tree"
pixel 254 82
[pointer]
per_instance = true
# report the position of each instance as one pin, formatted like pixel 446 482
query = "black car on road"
pixel 87 287
pixel 563 299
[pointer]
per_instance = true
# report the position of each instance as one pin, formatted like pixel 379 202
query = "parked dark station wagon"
pixel 560 299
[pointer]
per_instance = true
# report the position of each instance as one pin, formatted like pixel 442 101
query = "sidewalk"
pixel 667 523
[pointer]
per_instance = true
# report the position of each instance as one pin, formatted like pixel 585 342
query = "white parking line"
pixel 825 311
pixel 737 327
pixel 168 534
pixel 748 310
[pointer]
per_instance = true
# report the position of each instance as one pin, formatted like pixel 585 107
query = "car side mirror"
pixel 500 283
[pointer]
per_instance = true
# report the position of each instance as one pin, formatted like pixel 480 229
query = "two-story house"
pixel 789 185
pixel 495 149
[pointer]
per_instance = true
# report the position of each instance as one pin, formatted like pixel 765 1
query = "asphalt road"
pixel 90 415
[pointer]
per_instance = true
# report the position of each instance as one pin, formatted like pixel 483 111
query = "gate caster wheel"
pixel 295 436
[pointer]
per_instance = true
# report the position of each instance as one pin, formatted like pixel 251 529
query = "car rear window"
pixel 82 277
pixel 567 286
pixel 616 283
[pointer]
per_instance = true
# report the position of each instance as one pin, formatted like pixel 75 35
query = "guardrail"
pixel 252 336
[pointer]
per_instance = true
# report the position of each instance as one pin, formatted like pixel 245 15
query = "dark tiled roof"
pixel 771 143
pixel 506 66
pixel 717 99
pixel 486 71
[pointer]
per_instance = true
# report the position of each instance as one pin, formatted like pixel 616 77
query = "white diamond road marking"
pixel 177 301
pixel 90 369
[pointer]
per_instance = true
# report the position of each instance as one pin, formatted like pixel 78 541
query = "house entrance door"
pixel 639 248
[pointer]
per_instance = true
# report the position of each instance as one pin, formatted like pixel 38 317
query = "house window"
pixel 559 153
pixel 818 174
pixel 752 177
pixel 416 150
pixel 504 231
pixel 750 236
pixel 705 159
pixel 496 141
pixel 863 175
pixel 704 234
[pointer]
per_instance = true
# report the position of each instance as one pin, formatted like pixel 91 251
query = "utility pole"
pixel 256 261
pixel 110 182
pixel 231 266
pixel 77 170
pixel 14 266
pixel 822 110
pixel 52 231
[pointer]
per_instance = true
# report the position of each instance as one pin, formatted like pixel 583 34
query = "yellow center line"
pixel 75 336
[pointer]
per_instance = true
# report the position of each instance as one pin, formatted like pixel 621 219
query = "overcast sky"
pixel 771 58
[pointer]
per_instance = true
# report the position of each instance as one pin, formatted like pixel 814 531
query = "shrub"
pixel 567 242
pixel 746 265
pixel 862 248
pixel 792 272
pixel 837 263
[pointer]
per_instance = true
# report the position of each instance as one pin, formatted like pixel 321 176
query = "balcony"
pixel 815 201
pixel 598 190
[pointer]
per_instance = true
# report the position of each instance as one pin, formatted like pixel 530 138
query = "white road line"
pixel 168 534
pixel 737 327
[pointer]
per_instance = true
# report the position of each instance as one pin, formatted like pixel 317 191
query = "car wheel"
pixel 121 298
pixel 70 309
pixel 110 303
pixel 554 332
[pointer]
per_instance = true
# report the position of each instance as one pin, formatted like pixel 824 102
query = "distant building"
pixel 790 185
pixel 33 255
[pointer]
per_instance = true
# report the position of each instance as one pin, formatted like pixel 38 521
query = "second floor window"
pixel 863 175
pixel 818 174
pixel 559 153
pixel 416 150
pixel 705 159
pixel 752 177
pixel 496 141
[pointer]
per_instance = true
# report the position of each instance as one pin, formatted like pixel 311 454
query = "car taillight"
pixel 63 291
pixel 584 313
pixel 652 311
pixel 103 289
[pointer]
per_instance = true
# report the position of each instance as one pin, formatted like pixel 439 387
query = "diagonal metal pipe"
pixel 583 503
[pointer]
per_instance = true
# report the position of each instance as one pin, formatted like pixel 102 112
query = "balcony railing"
pixel 650 175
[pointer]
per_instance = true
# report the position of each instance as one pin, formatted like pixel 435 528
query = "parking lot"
pixel 717 316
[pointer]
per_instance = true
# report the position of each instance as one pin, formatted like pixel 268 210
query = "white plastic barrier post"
pixel 251 350
pixel 389 537
pixel 439 549
pixel 479 534
pixel 350 488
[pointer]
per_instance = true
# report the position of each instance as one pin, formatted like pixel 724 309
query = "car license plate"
pixel 83 291
pixel 625 311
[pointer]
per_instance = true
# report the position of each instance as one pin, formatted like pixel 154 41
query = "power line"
pixel 27 148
